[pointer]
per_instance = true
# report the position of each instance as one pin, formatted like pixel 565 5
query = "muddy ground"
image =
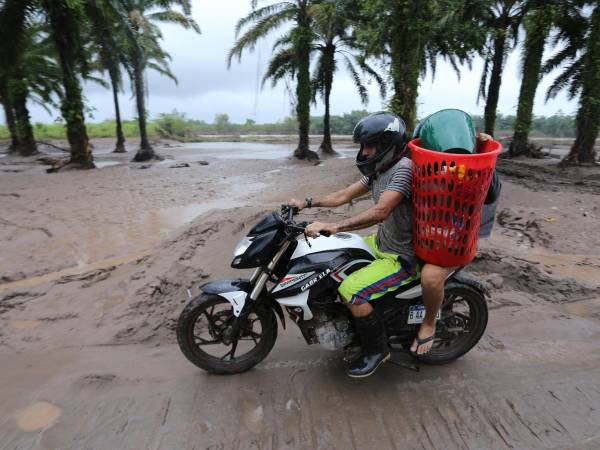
pixel 95 268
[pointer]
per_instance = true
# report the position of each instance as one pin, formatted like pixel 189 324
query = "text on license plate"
pixel 416 314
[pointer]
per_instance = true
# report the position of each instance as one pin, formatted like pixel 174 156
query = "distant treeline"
pixel 177 125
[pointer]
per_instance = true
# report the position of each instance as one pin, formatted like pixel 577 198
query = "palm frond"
pixel 163 70
pixel 282 63
pixel 360 87
pixel 571 76
pixel 482 92
pixel 176 18
pixel 249 39
pixel 373 73
pixel 260 14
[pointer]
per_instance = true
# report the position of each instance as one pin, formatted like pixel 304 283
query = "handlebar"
pixel 288 212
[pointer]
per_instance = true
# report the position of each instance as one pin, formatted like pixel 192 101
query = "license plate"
pixel 416 314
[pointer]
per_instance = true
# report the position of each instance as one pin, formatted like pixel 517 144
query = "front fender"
pixel 228 285
pixel 234 291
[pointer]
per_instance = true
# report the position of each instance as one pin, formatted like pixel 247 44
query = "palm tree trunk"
pixel 326 146
pixel 10 122
pixel 63 25
pixel 493 92
pixel 303 87
pixel 24 130
pixel 588 115
pixel 145 152
pixel 537 26
pixel 405 71
pixel 120 146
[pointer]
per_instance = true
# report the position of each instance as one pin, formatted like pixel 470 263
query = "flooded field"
pixel 96 266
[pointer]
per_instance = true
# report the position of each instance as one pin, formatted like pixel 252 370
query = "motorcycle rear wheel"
pixel 202 335
pixel 461 305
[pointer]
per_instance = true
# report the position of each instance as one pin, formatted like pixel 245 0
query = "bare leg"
pixel 432 282
pixel 360 310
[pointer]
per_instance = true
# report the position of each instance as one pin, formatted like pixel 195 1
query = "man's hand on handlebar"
pixel 316 228
pixel 300 204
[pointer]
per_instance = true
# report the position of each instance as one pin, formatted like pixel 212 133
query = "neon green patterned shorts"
pixel 383 275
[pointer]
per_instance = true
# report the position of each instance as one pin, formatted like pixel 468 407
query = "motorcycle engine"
pixel 333 333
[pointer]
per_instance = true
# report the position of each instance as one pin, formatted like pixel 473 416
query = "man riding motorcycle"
pixel 387 173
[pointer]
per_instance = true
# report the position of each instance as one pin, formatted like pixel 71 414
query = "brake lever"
pixel 306 239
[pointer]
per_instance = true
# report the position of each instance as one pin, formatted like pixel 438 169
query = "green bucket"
pixel 448 130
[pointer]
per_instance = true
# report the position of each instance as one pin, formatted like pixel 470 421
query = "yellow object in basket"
pixel 461 172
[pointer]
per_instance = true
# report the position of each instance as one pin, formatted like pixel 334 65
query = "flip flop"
pixel 421 342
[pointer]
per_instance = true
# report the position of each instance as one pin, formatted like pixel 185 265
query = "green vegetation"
pixel 73 39
pixel 501 21
pixel 176 125
pixel 579 61
pixel 48 47
pixel 293 59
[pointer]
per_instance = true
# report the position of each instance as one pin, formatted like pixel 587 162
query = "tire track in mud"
pixel 320 408
pixel 335 414
pixel 540 178
pixel 530 277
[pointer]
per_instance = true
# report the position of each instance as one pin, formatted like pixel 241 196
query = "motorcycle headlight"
pixel 242 246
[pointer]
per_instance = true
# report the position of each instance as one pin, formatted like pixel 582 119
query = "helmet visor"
pixel 368 166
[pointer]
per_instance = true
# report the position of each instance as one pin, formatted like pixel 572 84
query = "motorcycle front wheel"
pixel 204 335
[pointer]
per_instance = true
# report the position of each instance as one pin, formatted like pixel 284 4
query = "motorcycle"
pixel 232 325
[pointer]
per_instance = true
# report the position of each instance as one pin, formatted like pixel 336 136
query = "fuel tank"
pixel 338 241
pixel 322 265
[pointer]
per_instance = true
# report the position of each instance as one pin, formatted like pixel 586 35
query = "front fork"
pixel 258 279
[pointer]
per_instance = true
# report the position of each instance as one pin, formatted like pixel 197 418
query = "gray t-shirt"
pixel 395 233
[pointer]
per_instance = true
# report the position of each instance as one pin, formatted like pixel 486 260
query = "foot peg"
pixel 398 358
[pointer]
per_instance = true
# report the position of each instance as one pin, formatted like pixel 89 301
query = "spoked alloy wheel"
pixel 206 335
pixel 464 319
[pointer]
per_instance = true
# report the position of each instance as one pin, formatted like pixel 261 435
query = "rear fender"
pixel 463 278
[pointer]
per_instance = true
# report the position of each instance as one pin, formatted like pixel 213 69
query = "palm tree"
pixel 333 38
pixel 266 19
pixel 32 75
pixel 501 21
pixel 111 36
pixel 538 22
pixel 408 36
pixel 143 17
pixel 65 18
pixel 579 32
pixel 9 114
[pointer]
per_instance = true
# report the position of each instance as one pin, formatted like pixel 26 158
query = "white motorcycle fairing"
pixel 336 242
pixel 237 300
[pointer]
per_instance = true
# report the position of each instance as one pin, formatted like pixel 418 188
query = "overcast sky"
pixel 206 87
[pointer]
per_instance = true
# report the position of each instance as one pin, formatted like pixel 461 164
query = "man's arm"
pixel 336 198
pixel 377 214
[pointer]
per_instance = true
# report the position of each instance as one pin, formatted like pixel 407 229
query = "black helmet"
pixel 388 132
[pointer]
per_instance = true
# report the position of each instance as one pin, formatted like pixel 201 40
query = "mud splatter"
pixel 530 277
pixel 37 416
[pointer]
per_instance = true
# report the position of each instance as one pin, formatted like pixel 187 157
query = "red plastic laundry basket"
pixel 448 194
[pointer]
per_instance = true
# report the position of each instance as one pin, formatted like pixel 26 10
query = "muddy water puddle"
pixel 70 271
pixel 155 226
pixel 24 324
pixel 585 268
pixel 168 219
pixel 37 416
pixel 103 164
